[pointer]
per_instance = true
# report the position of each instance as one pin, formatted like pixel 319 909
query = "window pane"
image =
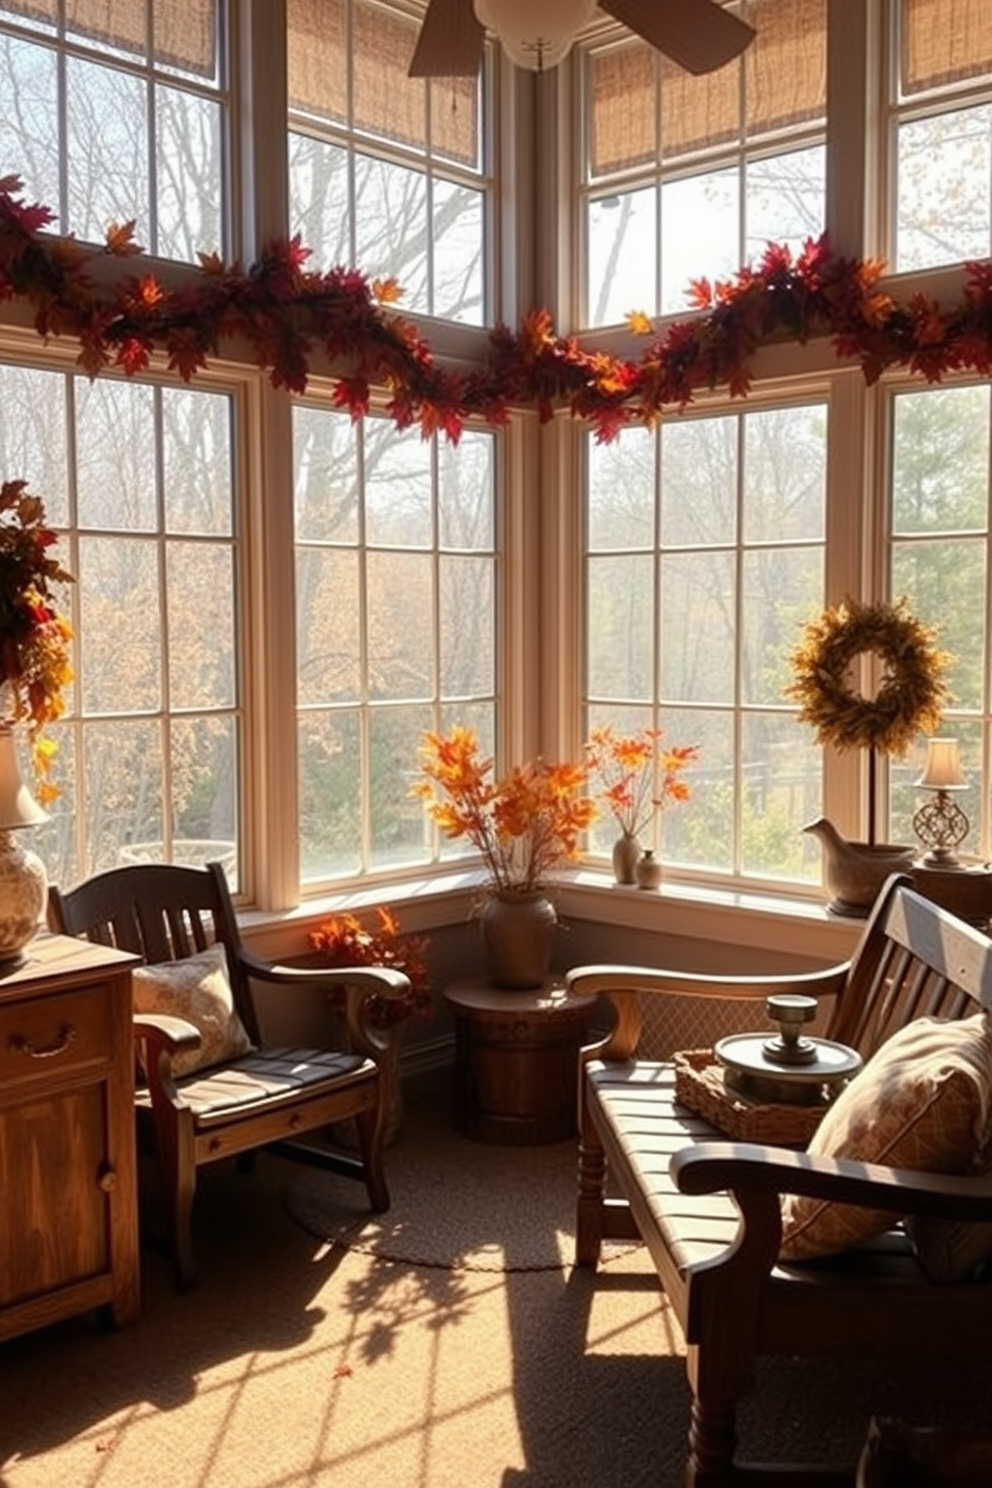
pixel 196 462
pixel 468 626
pixel 786 200
pixel 466 515
pixel 115 431
pixel 397 817
pixel 28 123
pixel 107 150
pixel 326 484
pixel 619 618
pixel 328 634
pixel 621 506
pixel 330 760
pixel 781 793
pixel 941 460
pixel 699 481
pixel 457 228
pixel 398 488
pixel 785 474
pixel 781 585
pixel 189 165
pixel 318 195
pixel 391 227
pixel 944 171
pixel 622 267
pixel 700 219
pixel 200 586
pixel 697 627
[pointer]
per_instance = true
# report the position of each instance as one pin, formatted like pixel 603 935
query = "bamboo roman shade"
pixel 642 106
pixel 384 101
pixel 944 41
pixel 184 32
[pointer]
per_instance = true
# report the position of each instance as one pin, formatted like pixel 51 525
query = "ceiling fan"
pixel 538 34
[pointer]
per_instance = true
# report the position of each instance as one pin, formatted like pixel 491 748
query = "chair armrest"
pixel 361 985
pixel 745 1169
pixel 163 1030
pixel 622 986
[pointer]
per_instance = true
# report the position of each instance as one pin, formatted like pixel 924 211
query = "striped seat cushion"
pixel 264 1076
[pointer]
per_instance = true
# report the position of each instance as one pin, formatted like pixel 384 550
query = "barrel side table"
pixel 516 1061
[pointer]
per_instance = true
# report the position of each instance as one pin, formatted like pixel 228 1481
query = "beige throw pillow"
pixel 923 1101
pixel 199 990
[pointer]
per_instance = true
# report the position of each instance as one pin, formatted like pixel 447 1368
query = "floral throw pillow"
pixel 923 1101
pixel 198 989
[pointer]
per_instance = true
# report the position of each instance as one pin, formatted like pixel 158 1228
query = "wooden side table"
pixel 68 1182
pixel 516 1063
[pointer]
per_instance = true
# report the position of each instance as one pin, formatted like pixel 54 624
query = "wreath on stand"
pixel 910 696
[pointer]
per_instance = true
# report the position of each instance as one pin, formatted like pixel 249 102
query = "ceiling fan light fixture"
pixel 536 34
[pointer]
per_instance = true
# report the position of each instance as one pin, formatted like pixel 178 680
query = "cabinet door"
pixel 53 1159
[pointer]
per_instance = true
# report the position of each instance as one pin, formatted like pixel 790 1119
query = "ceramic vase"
pixel 626 851
pixel 648 871
pixel 518 931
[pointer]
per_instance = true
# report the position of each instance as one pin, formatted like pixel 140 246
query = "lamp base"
pixel 23 894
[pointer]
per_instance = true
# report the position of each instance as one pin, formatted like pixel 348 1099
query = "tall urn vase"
pixel 626 853
pixel 518 931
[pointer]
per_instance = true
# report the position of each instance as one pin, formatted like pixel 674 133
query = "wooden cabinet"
pixel 68 1189
pixel 517 1061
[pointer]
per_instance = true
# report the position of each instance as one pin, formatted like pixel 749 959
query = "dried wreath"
pixel 910 695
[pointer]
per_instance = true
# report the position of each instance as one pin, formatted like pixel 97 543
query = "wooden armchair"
pixel 710 1211
pixel 262 1097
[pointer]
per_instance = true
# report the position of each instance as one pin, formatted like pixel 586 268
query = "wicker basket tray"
pixel 699 1087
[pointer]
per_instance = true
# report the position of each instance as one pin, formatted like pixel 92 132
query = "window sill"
pixel 694 912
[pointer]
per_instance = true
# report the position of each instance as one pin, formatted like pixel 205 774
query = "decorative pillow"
pixel 923 1101
pixel 199 990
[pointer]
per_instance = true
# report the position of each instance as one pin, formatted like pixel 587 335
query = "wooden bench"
pixel 709 1210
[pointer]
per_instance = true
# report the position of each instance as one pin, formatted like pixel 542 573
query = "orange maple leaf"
pixel 120 239
pixel 386 291
pixel 211 263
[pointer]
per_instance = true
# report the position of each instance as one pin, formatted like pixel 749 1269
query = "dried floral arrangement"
pixel 636 774
pixel 524 824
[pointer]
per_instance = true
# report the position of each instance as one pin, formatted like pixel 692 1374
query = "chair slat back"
pixel 916 960
pixel 160 912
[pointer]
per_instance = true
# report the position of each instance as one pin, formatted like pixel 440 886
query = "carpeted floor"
pixel 302 1364
pixel 511 1208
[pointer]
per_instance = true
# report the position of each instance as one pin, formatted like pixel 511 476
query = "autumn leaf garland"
pixel 291 316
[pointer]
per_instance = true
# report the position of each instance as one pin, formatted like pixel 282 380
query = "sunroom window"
pixel 139 479
pixel 704 549
pixel 387 173
pixel 396 628
pixel 941 132
pixel 686 177
pixel 114 113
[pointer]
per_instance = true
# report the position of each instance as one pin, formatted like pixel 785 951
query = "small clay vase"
pixel 647 873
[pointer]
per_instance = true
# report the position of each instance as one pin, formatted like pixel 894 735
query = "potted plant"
pixel 524 824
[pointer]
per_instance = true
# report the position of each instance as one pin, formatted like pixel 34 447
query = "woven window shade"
pixel 944 41
pixel 622 117
pixel 317 58
pixel 785 84
pixel 455 119
pixel 184 36
pixel 386 101
pixel 785 67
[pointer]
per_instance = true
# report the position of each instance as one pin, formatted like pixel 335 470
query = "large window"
pixel 705 545
pixel 687 176
pixel 387 172
pixel 396 628
pixel 941 133
pixel 940 555
pixel 139 478
pixel 114 113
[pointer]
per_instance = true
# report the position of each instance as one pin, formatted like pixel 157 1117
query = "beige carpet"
pixel 298 1364
pixel 456 1204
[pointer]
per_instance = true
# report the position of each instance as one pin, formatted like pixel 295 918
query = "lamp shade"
pixel 536 34
pixel 18 807
pixel 942 770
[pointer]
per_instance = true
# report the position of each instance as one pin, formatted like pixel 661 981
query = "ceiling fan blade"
pixel 700 37
pixel 451 41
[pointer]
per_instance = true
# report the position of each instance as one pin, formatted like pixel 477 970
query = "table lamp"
pixel 940 824
pixel 23 880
